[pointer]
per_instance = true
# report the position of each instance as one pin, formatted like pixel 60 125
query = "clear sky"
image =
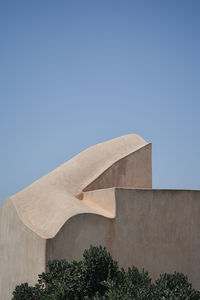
pixel 75 73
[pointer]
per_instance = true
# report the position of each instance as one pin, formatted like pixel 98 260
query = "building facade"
pixel 102 196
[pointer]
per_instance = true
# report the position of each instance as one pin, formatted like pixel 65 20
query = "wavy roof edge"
pixel 45 205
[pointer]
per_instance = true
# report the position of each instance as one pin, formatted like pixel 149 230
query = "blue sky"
pixel 76 73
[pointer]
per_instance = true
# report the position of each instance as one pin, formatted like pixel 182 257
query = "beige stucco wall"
pixel 164 231
pixel 45 205
pixel 22 252
pixel 153 229
pixel 134 170
pixel 158 230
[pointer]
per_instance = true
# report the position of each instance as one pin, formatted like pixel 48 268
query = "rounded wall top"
pixel 45 205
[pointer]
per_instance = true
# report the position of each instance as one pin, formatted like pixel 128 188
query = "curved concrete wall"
pixel 39 211
pixel 22 252
pixel 48 203
pixel 158 230
pixel 74 238
pixel 63 213
pixel 133 171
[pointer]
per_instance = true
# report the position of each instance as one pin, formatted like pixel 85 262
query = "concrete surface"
pixel 45 205
pixel 22 252
pixel 158 230
pixel 93 199
pixel 39 211
pixel 133 170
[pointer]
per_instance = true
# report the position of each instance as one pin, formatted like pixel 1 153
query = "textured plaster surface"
pixel 158 230
pixel 39 211
pixel 163 229
pixel 102 201
pixel 22 252
pixel 77 205
pixel 48 203
pixel 133 170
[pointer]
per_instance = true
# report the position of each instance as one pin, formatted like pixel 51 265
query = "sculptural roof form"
pixel 102 196
pixel 48 203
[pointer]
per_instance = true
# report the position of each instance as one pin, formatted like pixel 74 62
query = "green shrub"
pixel 175 286
pixel 98 277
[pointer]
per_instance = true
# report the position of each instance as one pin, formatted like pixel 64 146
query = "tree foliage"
pixel 98 277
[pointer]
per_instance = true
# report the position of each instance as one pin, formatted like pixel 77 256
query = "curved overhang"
pixel 48 203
